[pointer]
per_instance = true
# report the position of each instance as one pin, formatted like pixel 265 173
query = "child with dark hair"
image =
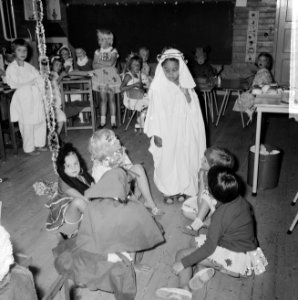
pixel 200 208
pixel 27 106
pixel 133 87
pixel 67 208
pixel 231 244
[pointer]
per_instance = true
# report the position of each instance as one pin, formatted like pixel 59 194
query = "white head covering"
pixel 185 79
pixel 6 256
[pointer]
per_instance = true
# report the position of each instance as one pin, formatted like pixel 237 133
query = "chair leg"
pixel 293 224
pixel 215 101
pixel 226 102
pixel 130 119
pixel 124 116
pixel 210 101
pixel 241 112
pixel 221 108
pixel 295 199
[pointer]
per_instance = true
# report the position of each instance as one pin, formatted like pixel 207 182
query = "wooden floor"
pixel 24 214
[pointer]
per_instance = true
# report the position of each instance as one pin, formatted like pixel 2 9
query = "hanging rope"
pixel 44 67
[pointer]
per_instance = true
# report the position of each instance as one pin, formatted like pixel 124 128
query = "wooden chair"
pixel 77 86
pixel 8 128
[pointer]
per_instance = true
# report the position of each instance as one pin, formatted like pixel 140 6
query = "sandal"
pixel 190 231
pixel 181 198
pixel 168 199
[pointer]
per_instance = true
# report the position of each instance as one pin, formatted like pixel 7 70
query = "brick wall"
pixel 266 29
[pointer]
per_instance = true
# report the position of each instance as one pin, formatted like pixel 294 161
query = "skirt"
pixel 135 104
pixel 106 80
pixel 238 263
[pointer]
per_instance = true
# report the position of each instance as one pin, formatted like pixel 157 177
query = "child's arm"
pixel 124 87
pixel 15 81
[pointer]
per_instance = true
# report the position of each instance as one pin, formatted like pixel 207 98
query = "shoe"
pixel 101 126
pixel 200 278
pixel 114 126
pixel 168 199
pixel 173 293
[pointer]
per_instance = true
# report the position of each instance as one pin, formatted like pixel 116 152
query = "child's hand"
pixel 177 267
pixel 139 85
pixel 157 141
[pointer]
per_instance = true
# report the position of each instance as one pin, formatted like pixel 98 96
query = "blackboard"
pixel 184 26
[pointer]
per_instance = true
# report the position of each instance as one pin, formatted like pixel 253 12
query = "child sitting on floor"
pixel 67 207
pixel 198 208
pixel 16 282
pixel 56 76
pixel 133 88
pixel 107 153
pixel 230 246
pixel 113 229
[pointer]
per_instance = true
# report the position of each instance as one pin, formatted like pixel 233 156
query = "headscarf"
pixel 6 255
pixel 66 48
pixel 185 79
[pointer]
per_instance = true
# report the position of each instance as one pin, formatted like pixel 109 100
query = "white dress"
pixel 180 125
pixel 27 103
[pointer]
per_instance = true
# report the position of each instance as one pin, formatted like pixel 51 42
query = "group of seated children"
pixel 103 221
pixel 231 245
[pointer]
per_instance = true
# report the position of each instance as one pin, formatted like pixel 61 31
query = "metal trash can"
pixel 269 167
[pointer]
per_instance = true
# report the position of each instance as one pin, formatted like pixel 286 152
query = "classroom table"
pixel 282 108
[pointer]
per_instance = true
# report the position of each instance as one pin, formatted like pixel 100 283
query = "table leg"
pixel 206 105
pixel 257 154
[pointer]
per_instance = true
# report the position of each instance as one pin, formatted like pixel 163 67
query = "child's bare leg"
pixel 143 184
pixel 186 274
pixel 112 106
pixel 103 108
pixel 203 210
pixel 59 127
pixel 75 210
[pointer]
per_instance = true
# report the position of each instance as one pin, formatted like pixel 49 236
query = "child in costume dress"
pixel 27 107
pixel 133 88
pixel 56 76
pixel 107 153
pixel 175 125
pixel 66 56
pixel 198 208
pixel 230 246
pixel 67 207
pixel 106 80
pixel 113 229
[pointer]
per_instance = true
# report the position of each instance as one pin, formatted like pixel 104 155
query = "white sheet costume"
pixel 180 126
pixel 27 104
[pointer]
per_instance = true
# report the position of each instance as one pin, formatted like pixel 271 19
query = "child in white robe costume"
pixel 174 115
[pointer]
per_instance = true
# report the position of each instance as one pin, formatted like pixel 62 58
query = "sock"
pixel 102 120
pixel 197 224
pixel 113 120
